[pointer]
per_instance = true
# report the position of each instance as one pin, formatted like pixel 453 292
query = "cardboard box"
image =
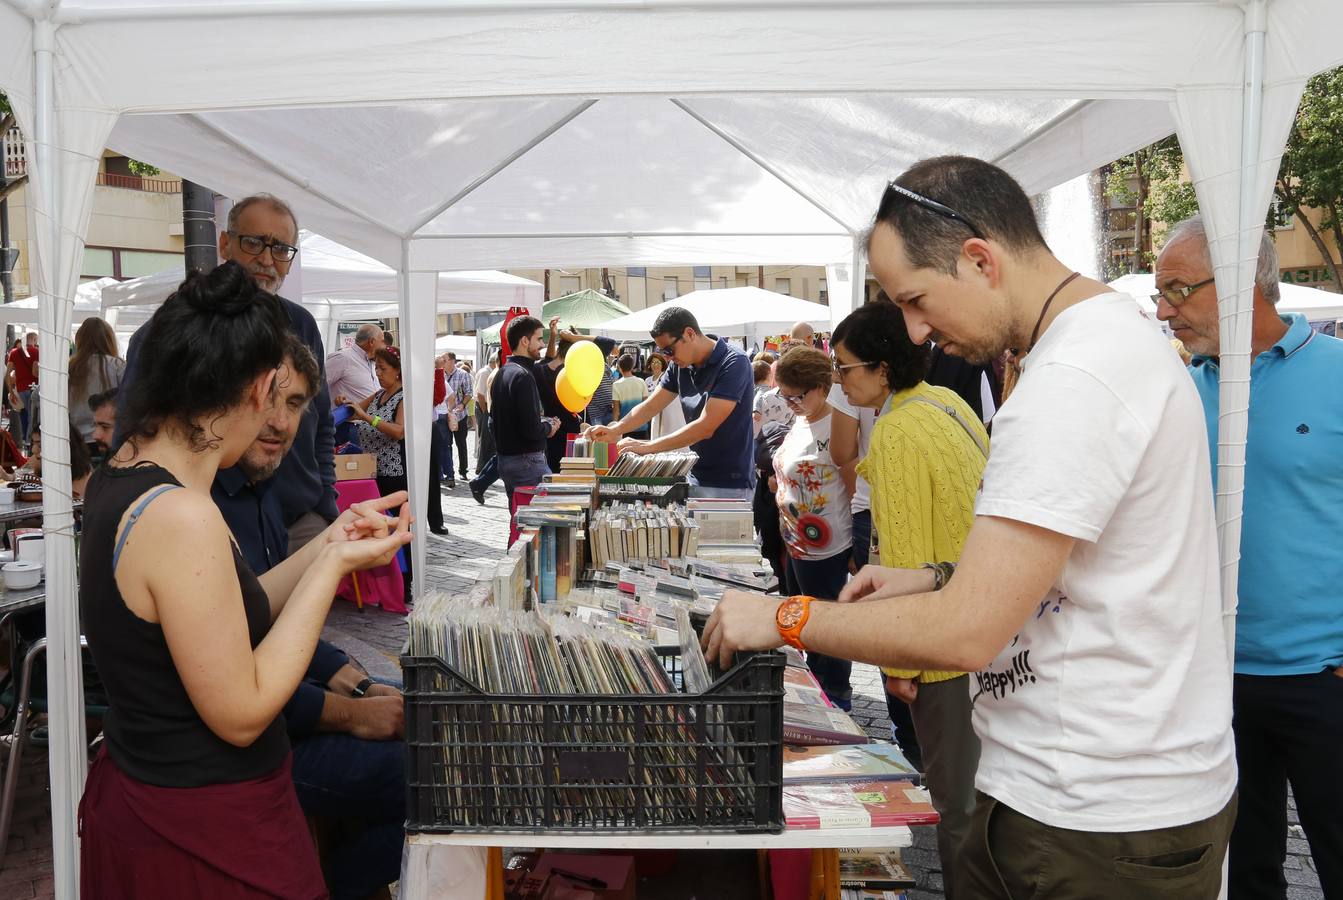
pixel 354 466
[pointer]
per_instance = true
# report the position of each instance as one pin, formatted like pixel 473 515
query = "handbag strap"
pixel 955 414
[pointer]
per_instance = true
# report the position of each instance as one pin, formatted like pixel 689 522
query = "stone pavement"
pixel 478 536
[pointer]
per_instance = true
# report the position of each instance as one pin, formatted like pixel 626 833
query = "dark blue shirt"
pixel 725 457
pixel 306 479
pixel 252 512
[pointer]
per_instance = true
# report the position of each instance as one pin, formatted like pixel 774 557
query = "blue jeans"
pixel 522 470
pixel 600 416
pixel 343 777
pixel 824 579
pixel 26 416
pixel 489 474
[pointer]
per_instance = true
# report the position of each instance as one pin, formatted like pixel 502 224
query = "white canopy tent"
pixel 825 101
pixel 25 312
pixel 1316 305
pixel 728 312
pixel 341 284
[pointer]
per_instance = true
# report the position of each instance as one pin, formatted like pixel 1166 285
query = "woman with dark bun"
pixel 191 794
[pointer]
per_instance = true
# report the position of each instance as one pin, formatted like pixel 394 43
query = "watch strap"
pixel 361 688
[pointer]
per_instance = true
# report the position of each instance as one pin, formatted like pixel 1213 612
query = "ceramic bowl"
pixel 22 575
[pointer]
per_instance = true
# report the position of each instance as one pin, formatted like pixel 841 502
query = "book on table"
pixel 866 804
pixel 863 893
pixel 881 869
pixel 851 762
pixel 812 725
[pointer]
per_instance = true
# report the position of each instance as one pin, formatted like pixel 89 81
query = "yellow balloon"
pixel 584 363
pixel 572 400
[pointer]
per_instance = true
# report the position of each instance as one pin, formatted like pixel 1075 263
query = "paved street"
pixel 478 535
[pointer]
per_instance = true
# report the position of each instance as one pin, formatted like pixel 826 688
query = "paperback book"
pixel 854 762
pixel 866 804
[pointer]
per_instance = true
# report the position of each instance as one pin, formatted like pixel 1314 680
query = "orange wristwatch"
pixel 790 619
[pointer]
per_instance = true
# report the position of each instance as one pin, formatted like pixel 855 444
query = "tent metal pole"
pixel 504 163
pixel 755 158
pixel 68 762
pixel 1236 323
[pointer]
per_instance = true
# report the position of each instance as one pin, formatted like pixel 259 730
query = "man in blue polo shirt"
pixel 715 386
pixel 1288 694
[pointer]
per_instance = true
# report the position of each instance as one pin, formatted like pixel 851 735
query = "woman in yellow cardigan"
pixel 924 464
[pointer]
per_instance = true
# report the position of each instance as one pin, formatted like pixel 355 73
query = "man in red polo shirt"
pixel 22 368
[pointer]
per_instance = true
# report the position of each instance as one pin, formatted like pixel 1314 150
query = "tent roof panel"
pixel 632 165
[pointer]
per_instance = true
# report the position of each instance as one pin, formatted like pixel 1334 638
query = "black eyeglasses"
pixel 932 206
pixel 1177 296
pixel 256 244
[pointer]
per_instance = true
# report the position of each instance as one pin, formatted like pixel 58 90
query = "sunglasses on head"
pixel 933 206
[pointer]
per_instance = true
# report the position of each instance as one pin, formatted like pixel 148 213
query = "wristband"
pixel 377 420
pixel 362 687
pixel 942 573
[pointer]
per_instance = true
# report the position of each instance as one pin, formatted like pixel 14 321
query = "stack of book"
pixel 873 875
pixel 625 532
pixel 669 464
pixel 602 454
pixel 556 552
pixel 864 804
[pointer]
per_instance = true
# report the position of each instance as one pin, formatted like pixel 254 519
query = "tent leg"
pixel 418 330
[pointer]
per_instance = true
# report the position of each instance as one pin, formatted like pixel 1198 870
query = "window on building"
pixel 570 284
pixel 636 271
pixel 670 291
pixel 783 286
pixel 824 292
pixel 102 262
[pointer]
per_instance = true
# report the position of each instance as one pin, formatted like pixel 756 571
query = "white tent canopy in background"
pixel 1316 305
pixel 340 284
pixel 1057 87
pixel 25 312
pixel 727 312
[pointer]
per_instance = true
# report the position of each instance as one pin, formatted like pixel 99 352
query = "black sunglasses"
pixel 932 206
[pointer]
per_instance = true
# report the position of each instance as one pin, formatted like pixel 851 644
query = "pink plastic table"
pixel 384 585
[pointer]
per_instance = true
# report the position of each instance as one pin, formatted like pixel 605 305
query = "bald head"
pixel 802 332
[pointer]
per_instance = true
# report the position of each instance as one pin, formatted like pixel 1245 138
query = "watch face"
pixel 790 613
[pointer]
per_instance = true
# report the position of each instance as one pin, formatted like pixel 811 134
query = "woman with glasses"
pixel 813 501
pixel 924 462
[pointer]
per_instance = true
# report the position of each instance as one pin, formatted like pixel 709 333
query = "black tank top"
pixel 152 730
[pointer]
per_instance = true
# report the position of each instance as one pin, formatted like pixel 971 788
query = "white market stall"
pixel 728 312
pixel 738 132
pixel 340 284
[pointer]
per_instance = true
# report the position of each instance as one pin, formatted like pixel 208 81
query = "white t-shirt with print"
pixel 814 516
pixel 862 494
pixel 1111 708
pixel 770 407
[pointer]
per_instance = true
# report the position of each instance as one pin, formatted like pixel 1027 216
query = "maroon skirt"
pixel 243 840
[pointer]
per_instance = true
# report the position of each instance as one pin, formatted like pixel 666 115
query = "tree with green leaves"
pixel 1311 175
pixel 1310 178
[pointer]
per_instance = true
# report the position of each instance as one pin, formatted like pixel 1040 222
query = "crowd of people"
pixel 1047 615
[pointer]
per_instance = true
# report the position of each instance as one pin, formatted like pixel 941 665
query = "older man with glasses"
pixel 262 237
pixel 1287 695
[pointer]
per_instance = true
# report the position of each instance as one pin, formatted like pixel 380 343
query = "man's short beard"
pixel 258 474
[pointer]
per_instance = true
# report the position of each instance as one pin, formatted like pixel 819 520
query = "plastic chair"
pixel 24 705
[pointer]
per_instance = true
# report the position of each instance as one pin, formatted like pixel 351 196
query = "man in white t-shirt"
pixel 1087 598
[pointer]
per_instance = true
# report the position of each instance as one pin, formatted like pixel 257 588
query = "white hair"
pixel 367 333
pixel 1266 271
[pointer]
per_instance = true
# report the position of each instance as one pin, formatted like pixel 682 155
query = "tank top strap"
pixel 139 509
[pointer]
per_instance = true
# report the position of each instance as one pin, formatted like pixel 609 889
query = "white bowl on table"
pixel 22 575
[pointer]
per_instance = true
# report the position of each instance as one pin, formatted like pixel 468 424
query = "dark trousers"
pixel 436 442
pixel 390 484
pixel 1009 856
pixel 765 513
pixel 862 537
pixel 450 438
pixel 824 579
pixel 363 785
pixel 485 437
pixel 1288 730
pixel 949 760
